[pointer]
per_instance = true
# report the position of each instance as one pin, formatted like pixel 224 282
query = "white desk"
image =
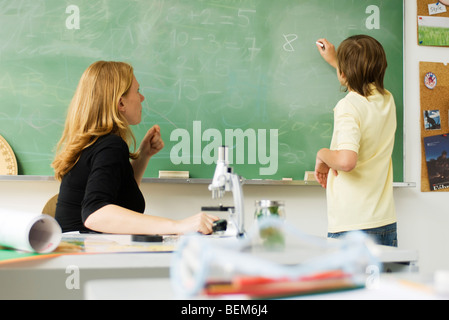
pixel 46 278
pixel 389 288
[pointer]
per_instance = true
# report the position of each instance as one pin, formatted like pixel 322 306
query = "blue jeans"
pixel 386 235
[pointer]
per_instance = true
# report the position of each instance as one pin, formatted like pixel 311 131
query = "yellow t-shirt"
pixel 363 197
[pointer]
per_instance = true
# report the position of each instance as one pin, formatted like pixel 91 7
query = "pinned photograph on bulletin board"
pixel 434 101
pixel 432 120
pixel 433 23
pixel 436 148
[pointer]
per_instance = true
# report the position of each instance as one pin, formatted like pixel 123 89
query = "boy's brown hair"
pixel 363 62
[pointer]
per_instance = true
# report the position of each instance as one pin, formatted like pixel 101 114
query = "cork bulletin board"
pixel 434 101
pixel 433 23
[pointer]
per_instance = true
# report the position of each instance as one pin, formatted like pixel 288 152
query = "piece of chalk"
pixel 174 174
pixel 320 44
pixel 309 176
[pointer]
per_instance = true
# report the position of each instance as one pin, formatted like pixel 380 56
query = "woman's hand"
pixel 201 222
pixel 152 143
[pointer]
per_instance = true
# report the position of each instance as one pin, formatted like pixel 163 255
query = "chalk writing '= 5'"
pixel 207 17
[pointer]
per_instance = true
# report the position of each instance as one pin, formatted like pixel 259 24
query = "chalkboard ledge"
pixel 198 181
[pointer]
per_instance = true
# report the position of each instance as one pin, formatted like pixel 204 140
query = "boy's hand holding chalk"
pixel 327 51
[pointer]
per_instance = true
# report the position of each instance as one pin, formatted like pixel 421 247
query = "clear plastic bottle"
pixel 266 208
pixel 271 235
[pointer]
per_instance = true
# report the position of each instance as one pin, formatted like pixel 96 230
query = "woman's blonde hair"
pixel 93 112
pixel 363 61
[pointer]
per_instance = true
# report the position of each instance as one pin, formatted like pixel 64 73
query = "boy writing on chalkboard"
pixel 357 169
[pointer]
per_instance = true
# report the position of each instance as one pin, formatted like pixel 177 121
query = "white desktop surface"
pixel 46 278
pixel 132 259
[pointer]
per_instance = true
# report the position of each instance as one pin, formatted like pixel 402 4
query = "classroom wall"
pixel 423 218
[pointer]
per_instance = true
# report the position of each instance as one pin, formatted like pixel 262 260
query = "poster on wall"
pixel 434 105
pixel 433 23
pixel 437 148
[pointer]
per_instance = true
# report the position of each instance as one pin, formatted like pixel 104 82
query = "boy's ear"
pixel 343 76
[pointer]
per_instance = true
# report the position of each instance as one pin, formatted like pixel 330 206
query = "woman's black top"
pixel 103 175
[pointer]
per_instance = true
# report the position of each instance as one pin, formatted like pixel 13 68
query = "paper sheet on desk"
pixel 112 243
pixel 78 244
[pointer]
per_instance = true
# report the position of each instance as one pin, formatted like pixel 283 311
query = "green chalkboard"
pixel 245 73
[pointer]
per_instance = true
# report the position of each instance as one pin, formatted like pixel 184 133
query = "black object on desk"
pixel 219 225
pixel 216 208
pixel 146 238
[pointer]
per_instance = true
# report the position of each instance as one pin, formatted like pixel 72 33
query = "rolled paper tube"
pixel 27 231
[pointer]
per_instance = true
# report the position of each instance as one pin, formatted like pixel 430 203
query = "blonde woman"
pixel 99 175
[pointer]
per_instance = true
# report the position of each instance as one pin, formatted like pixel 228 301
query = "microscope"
pixel 225 180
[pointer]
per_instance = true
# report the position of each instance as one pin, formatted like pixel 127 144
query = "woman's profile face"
pixel 131 104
